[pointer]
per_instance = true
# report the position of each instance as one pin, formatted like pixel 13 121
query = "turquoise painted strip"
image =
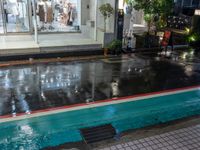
pixel 39 132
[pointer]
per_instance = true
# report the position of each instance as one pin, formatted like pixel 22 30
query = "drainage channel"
pixel 97 134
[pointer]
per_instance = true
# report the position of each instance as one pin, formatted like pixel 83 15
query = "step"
pixel 39 55
pixel 72 48
pixel 19 51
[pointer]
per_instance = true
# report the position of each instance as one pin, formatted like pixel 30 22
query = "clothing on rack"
pixel 49 14
pixel 41 12
pixel 65 14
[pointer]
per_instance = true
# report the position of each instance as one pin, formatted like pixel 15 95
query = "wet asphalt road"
pixel 24 89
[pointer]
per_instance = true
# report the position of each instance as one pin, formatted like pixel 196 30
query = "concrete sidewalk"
pixel 25 44
pixel 18 45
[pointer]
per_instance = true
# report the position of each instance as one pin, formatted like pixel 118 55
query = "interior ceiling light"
pixel 197 12
pixel 121 4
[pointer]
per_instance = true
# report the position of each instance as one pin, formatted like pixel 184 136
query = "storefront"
pixel 53 23
pixel 58 15
pixel 16 16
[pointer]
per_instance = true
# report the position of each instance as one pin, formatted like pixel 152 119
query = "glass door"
pixel 1 20
pixel 15 16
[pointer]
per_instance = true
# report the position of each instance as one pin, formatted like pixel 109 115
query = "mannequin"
pixel 65 13
pixel 74 15
pixel 59 15
pixel 49 14
pixel 41 12
pixel 57 7
pixel 71 14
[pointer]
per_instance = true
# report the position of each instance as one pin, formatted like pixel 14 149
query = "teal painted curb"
pixel 52 130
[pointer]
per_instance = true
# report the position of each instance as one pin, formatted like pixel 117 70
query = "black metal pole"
pixel 120 24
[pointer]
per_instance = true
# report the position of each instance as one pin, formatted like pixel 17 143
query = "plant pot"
pixel 108 38
pixel 147 41
pixel 105 51
pixel 151 41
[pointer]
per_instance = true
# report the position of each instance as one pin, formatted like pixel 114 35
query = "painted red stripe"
pixel 103 101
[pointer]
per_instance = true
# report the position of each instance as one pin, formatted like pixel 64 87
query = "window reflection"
pixel 16 15
pixel 58 15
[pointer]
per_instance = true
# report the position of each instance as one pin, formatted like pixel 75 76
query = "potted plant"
pixel 155 11
pixel 194 34
pixel 115 47
pixel 105 51
pixel 155 15
pixel 193 40
pixel 106 10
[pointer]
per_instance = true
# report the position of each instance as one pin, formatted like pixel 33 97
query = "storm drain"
pixel 97 134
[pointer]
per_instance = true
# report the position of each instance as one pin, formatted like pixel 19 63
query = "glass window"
pixel 186 3
pixel 1 20
pixel 195 3
pixel 16 15
pixel 58 15
pixel 178 2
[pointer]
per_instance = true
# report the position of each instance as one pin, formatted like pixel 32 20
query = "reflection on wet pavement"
pixel 34 87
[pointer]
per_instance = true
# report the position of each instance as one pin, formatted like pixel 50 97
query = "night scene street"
pixel 100 75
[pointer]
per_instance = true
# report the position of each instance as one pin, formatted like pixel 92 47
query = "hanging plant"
pixel 106 10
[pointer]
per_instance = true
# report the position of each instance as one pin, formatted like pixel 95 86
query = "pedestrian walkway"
pixel 181 139
pixel 18 44
pixel 25 44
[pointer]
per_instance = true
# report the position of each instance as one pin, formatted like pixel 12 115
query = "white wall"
pixel 135 21
pixel 93 14
pixel 85 12
pixel 100 21
pixel 88 15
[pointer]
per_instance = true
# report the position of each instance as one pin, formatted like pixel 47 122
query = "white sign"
pixel 197 12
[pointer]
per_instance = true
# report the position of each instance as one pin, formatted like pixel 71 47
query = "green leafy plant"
pixel 192 37
pixel 115 45
pixel 106 10
pixel 149 21
pixel 155 11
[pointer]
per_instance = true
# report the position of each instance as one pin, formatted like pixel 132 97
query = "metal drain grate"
pixel 99 133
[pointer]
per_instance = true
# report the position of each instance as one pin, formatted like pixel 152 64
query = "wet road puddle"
pixel 45 86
